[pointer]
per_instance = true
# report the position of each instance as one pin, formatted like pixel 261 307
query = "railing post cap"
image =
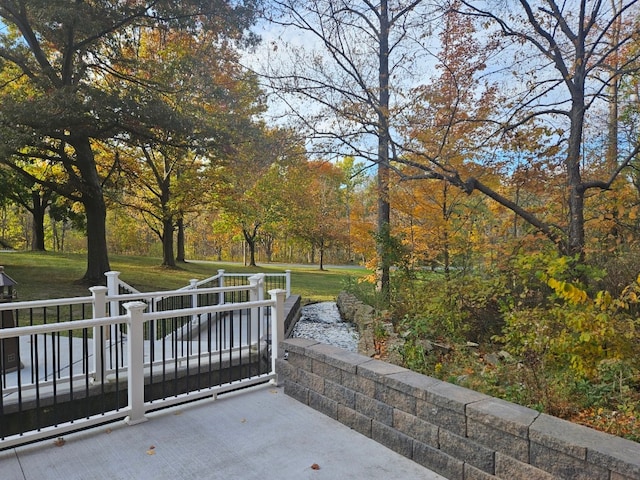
pixel 134 306
pixel 98 289
pixel 277 291
pixel 111 273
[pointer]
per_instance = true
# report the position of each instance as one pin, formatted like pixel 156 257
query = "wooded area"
pixel 482 161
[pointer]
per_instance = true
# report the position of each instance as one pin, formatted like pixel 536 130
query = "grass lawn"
pixel 43 275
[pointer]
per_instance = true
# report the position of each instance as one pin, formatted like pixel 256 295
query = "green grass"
pixel 54 275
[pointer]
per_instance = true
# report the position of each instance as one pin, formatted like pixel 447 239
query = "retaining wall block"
pixel 508 468
pixel 467 450
pixel 499 440
pixel 340 394
pixel 374 409
pixel 564 466
pixel 438 461
pixel 353 419
pixel 323 404
pixel 359 384
pixel 473 473
pixel 311 381
pixel 325 370
pixel 502 425
pixel 396 398
pixel 284 369
pixel 297 391
pixel 392 438
pixel 299 361
pixel 415 427
pixel 456 422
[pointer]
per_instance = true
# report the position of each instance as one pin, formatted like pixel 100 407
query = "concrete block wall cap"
pixel 411 383
pixel 563 436
pixel 585 443
pixel 453 397
pixel 297 345
pixel 321 351
pixel 503 415
pixel 617 454
pixel 345 360
pixel 377 369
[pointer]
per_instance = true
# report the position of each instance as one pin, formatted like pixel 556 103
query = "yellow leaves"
pixel 568 291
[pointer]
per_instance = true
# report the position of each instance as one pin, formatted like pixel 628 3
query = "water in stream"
pixel 322 322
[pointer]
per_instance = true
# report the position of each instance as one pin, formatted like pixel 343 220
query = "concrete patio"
pixel 258 433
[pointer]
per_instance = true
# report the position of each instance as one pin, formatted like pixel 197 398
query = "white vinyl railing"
pixel 216 348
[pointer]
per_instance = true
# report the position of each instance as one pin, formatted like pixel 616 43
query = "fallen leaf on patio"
pixel 273 391
pixel 108 431
pixel 152 450
pixel 178 413
pixel 59 442
pixel 244 420
pixel 315 466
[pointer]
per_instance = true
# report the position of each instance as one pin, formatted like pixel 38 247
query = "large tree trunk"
pixel 168 260
pixel 96 213
pixel 39 206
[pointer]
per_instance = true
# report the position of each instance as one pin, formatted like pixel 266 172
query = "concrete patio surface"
pixel 258 433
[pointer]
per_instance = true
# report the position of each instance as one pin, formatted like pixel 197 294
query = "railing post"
pixel 193 285
pixel 114 309
pixel 135 369
pixel 99 344
pixel 221 285
pixel 288 282
pixel 256 293
pixel 277 325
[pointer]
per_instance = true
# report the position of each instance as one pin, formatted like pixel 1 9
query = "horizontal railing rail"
pixel 160 358
pixel 222 278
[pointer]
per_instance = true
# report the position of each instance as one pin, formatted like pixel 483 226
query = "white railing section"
pixel 115 285
pixel 79 349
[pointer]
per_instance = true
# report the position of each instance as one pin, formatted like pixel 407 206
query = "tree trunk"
pixel 250 238
pixel 168 260
pixel 97 256
pixel 96 213
pixel 575 232
pixel 321 255
pixel 384 209
pixel 180 253
pixel 252 252
pixel 39 207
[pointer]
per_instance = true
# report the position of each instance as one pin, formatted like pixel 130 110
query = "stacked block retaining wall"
pixel 456 432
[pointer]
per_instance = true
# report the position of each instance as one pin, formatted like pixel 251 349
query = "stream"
pixel 321 321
